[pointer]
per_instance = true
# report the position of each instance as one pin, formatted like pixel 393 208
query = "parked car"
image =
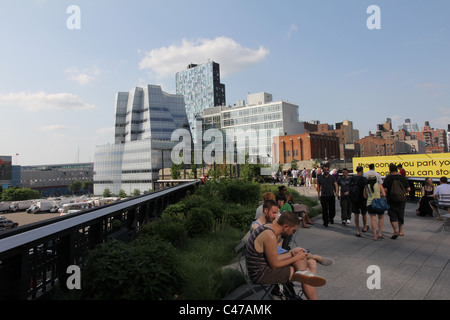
pixel 6 223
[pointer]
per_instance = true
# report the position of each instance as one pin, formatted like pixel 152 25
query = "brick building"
pixel 343 131
pixel 305 146
pixel 372 146
pixel 435 139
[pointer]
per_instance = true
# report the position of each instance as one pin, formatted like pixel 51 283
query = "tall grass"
pixel 202 262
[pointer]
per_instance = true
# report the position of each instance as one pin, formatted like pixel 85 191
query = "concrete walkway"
pixel 412 267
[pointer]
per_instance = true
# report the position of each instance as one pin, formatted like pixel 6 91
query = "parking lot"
pixel 23 218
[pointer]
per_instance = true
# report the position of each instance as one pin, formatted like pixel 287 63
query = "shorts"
pixel 273 276
pixel 372 211
pixel 397 212
pixel 359 208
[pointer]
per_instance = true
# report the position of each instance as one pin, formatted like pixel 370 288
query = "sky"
pixel 61 67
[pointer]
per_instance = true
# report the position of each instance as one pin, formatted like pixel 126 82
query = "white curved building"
pixel 145 119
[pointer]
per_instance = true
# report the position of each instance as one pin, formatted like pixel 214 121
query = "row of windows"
pixel 123 181
pixel 252 119
pixel 250 111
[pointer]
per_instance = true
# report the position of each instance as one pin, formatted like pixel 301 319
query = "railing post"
pixel 66 258
pixel 10 278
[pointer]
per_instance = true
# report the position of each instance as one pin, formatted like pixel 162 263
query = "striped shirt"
pixel 256 262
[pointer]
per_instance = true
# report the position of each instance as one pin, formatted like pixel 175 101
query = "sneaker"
pixel 325 261
pixel 309 278
pixel 348 221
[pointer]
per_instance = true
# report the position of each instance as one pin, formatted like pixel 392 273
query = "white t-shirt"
pixel 379 180
pixel 442 189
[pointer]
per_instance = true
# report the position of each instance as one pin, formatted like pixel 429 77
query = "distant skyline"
pixel 60 68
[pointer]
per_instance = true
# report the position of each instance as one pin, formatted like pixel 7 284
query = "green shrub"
pixel 199 222
pixel 171 230
pixel 147 268
pixel 175 211
pixel 192 201
pixel 240 217
pixel 238 191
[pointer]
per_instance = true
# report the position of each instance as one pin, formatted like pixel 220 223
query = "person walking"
pixel 372 191
pixel 295 176
pixel 372 170
pixel 308 178
pixel 327 191
pixel 344 197
pixel 359 204
pixel 397 187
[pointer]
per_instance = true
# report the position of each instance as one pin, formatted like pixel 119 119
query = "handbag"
pixel 378 204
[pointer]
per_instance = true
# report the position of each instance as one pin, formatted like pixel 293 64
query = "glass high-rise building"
pixel 144 122
pixel 262 117
pixel 200 85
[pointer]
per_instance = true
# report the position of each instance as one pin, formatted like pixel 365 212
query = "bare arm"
pixel 275 260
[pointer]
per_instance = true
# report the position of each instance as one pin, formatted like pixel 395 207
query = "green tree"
pixel 294 164
pixel 122 194
pixel 175 171
pixel 18 194
pixel 87 185
pixel 107 193
pixel 75 186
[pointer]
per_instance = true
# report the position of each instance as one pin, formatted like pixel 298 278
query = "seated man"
pixel 270 212
pixel 266 196
pixel 443 189
pixel 266 266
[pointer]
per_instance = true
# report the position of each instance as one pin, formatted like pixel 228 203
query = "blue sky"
pixel 57 85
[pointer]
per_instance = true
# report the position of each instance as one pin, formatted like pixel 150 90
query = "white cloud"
pixel 443 118
pixel 106 131
pixel 430 85
pixel 434 89
pixel 232 56
pixel 44 101
pixel 54 127
pixel 84 76
pixel 292 29
pixel 355 73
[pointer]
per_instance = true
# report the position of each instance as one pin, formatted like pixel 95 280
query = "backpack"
pixel 355 190
pixel 397 192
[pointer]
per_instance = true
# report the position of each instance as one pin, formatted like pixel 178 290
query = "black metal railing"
pixel 34 258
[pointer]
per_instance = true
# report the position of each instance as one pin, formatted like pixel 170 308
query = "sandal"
pixel 358 235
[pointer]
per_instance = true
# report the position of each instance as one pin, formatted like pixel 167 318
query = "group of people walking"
pixel 297 177
pixel 360 194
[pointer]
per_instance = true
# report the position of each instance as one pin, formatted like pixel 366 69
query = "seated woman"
pixel 424 209
pixel 300 209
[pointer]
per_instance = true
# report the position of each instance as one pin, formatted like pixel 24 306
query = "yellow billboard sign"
pixel 433 165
